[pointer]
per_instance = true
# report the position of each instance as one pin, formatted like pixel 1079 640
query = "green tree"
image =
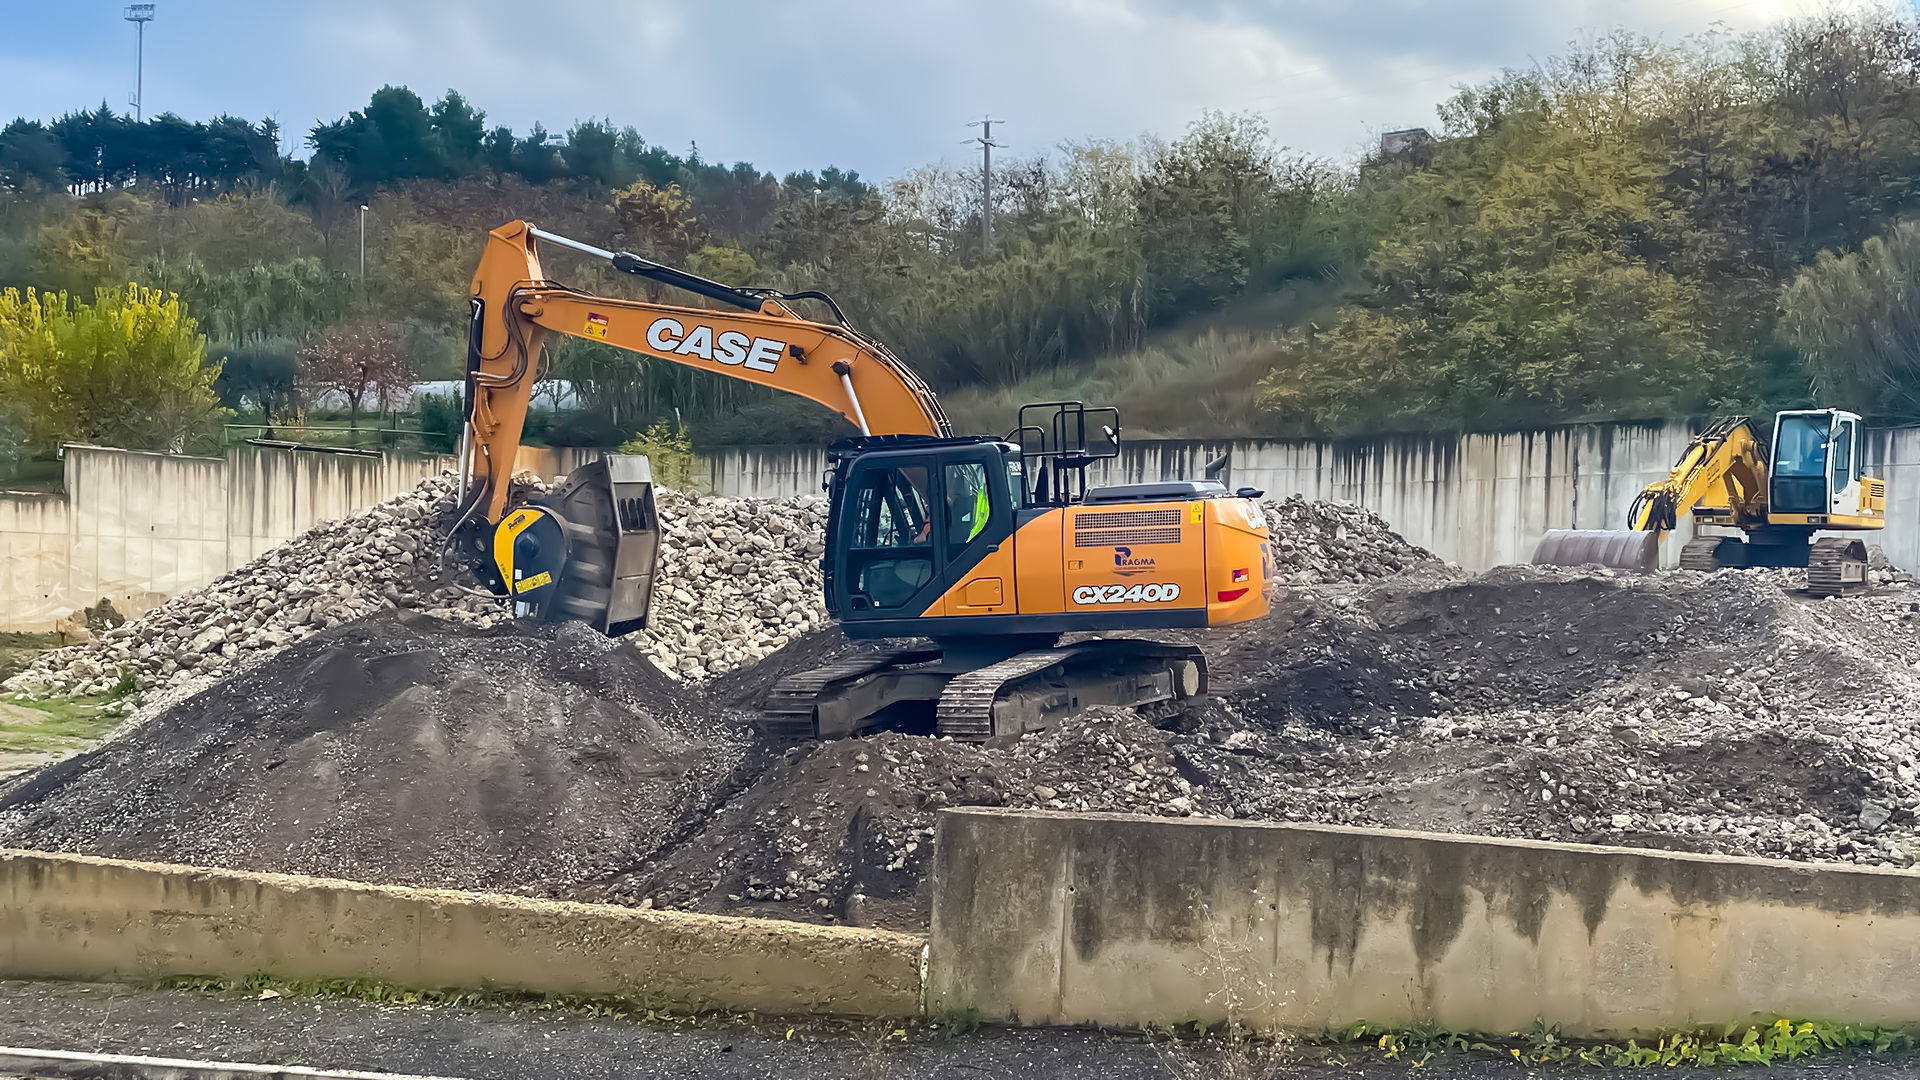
pixel 1856 319
pixel 130 369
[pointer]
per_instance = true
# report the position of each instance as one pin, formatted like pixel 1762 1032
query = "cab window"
pixel 1844 458
pixel 890 554
pixel 890 509
pixel 968 505
pixel 1803 446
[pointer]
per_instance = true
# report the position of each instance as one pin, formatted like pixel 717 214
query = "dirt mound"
pixel 1723 712
pixel 844 830
pixel 403 748
pixel 1316 543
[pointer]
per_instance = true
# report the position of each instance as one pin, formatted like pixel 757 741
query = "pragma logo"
pixel 1125 563
pixel 731 348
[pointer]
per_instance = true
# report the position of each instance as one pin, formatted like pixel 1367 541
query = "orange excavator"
pixel 988 549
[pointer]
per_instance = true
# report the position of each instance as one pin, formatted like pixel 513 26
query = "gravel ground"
pixel 502 1044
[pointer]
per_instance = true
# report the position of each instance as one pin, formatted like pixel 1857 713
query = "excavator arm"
pixel 757 338
pixel 586 550
pixel 1721 478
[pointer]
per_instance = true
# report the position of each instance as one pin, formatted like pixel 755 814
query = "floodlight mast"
pixel 139 15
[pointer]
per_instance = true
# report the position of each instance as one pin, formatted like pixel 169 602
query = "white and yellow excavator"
pixel 1753 504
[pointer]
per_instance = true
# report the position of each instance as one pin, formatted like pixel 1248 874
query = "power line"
pixel 985 139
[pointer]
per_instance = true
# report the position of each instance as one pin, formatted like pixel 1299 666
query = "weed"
pixel 669 454
pixel 1757 1044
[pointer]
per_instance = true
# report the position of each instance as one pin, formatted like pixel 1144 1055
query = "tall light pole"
pixel 139 15
pixel 985 139
pixel 363 248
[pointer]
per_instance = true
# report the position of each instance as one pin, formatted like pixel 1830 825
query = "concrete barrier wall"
pixel 73 917
pixel 1064 918
pixel 140 527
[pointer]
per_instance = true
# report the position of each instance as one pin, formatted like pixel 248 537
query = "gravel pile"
pixel 844 830
pixel 739 578
pixel 383 557
pixel 1325 542
pixel 1726 712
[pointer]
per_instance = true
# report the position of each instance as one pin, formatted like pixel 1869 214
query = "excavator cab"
pixel 1818 471
pixel 911 519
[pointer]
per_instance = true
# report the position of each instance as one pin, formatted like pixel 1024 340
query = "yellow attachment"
pixel 504 535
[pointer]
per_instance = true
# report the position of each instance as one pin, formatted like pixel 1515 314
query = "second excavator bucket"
pixel 613 542
pixel 1633 550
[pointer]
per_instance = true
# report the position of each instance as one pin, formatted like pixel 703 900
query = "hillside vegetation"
pixel 1633 229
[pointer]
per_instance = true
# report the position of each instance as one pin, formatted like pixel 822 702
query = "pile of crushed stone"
pixel 407 749
pixel 1318 543
pixel 738 579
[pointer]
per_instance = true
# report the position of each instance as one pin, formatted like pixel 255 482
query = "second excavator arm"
pixel 1722 474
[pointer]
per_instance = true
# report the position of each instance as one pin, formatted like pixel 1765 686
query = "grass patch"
pixel 61 725
pixel 1738 1044
pixel 18 650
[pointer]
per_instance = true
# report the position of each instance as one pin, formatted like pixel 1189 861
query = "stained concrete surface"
pixel 485 1043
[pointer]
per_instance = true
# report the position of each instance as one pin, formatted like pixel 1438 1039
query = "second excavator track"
pixel 1836 567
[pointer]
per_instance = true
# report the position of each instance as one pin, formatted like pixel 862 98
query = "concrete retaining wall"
pixel 73 917
pixel 139 527
pixel 1064 918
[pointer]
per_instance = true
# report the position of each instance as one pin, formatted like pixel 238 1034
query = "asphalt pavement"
pixel 486 1043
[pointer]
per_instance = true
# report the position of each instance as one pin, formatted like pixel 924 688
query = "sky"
pixel 879 86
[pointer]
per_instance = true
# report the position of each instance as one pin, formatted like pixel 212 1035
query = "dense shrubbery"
pixel 1634 229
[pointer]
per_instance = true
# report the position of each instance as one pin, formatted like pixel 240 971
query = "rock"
pixel 1873 815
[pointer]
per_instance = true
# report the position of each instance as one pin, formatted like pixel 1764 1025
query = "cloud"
pixel 866 84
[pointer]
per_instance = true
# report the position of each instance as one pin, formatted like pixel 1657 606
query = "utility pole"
pixel 139 15
pixel 363 249
pixel 985 139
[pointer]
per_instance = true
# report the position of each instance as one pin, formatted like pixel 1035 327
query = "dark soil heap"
pixel 403 748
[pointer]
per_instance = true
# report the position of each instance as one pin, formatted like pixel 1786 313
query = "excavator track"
pixel 792 712
pixel 1033 689
pixel 1836 567
pixel 1701 553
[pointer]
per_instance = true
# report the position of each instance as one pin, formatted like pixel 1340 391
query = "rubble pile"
pixel 1327 542
pixel 738 579
pixel 385 556
pixel 1721 712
